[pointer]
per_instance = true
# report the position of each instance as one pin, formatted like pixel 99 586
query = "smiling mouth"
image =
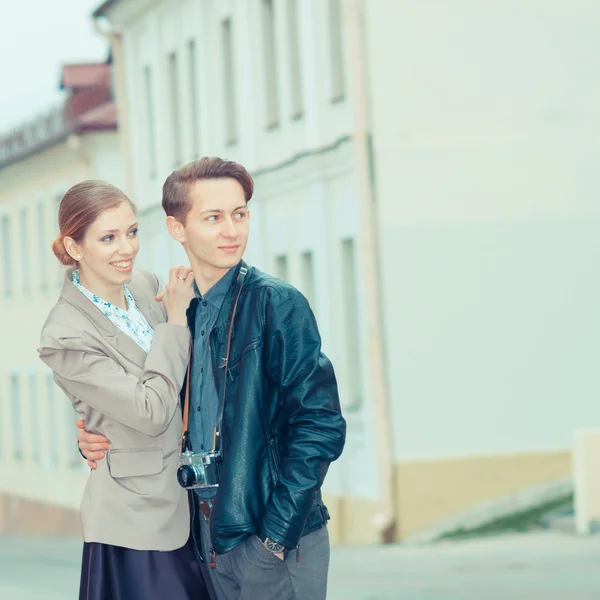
pixel 122 264
pixel 229 248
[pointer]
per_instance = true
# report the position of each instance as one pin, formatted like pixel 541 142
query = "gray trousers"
pixel 251 572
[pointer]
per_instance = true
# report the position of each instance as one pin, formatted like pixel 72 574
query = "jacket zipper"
pixel 275 458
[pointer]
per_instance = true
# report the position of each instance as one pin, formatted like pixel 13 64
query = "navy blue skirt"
pixel 115 573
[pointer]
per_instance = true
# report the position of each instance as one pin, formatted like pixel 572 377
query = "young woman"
pixel 121 357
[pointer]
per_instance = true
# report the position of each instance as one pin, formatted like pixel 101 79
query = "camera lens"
pixel 186 476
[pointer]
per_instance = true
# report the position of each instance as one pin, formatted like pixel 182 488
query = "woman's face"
pixel 109 248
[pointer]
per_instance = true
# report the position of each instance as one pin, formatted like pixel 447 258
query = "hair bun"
pixel 58 247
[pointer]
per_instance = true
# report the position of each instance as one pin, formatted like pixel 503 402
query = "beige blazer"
pixel 132 499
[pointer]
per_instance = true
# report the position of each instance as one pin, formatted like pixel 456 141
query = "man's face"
pixel 217 226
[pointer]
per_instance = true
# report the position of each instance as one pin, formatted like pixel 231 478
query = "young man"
pixel 262 396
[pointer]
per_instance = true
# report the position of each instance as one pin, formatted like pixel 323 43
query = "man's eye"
pixel 240 215
pixel 212 218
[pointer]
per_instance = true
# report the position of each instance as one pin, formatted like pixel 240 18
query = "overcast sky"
pixel 36 38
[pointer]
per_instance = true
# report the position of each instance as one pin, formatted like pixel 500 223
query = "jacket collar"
pixel 114 336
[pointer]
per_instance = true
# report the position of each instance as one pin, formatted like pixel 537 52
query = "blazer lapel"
pixel 148 309
pixel 119 340
pixel 128 348
pixel 146 303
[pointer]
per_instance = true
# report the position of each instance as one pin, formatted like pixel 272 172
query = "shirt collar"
pixel 100 301
pixel 217 292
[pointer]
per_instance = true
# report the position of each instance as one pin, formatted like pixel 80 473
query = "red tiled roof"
pixel 85 75
pixel 98 119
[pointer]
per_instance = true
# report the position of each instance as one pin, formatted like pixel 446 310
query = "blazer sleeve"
pixel 146 404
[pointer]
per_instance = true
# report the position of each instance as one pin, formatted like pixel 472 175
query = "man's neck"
pixel 205 276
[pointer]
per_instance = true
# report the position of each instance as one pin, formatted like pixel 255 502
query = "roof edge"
pixel 101 10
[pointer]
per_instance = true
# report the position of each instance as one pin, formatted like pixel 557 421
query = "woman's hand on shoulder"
pixel 178 294
pixel 183 271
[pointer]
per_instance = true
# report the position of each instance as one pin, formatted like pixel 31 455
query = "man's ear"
pixel 176 229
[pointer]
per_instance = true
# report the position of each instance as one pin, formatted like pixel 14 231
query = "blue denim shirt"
pixel 204 401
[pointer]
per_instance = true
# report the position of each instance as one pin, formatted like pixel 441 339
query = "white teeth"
pixel 122 265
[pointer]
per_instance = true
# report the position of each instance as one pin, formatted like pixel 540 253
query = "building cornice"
pixel 121 13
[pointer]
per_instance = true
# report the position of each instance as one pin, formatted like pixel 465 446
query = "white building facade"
pixel 486 132
pixel 262 83
pixel 427 121
pixel 425 175
pixel 41 472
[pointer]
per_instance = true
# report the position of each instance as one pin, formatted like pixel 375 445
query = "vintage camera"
pixel 198 470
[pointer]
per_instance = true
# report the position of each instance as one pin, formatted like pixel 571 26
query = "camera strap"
pixel 186 403
pixel 240 284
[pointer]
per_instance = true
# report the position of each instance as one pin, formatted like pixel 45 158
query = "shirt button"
pixel 204 303
pixel 202 332
pixel 202 370
pixel 201 447
pixel 198 409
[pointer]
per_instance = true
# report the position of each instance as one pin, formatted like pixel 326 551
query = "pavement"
pixel 548 565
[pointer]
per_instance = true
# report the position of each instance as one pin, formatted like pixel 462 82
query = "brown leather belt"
pixel 205 509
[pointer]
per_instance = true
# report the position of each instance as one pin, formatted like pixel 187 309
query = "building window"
pixel 7 272
pixel 52 420
pixel 281 266
pixel 34 417
pixel 350 325
pixel 308 277
pixel 194 100
pixel 229 86
pixel 335 50
pixel 25 258
pixel 43 246
pixel 16 433
pixel 151 130
pixel 294 57
pixel 174 108
pixel 270 62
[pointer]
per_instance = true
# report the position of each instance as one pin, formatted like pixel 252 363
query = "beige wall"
pixel 19 515
pixel 431 493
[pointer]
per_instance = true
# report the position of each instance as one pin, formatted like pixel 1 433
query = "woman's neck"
pixel 112 293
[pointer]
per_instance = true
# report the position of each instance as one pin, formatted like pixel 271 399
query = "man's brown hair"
pixel 175 200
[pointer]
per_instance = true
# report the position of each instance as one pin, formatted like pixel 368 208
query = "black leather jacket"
pixel 282 424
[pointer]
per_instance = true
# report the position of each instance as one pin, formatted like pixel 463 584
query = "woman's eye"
pixel 107 238
pixel 213 218
pixel 133 232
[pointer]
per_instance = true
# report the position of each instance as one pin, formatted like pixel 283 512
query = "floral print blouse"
pixel 131 321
